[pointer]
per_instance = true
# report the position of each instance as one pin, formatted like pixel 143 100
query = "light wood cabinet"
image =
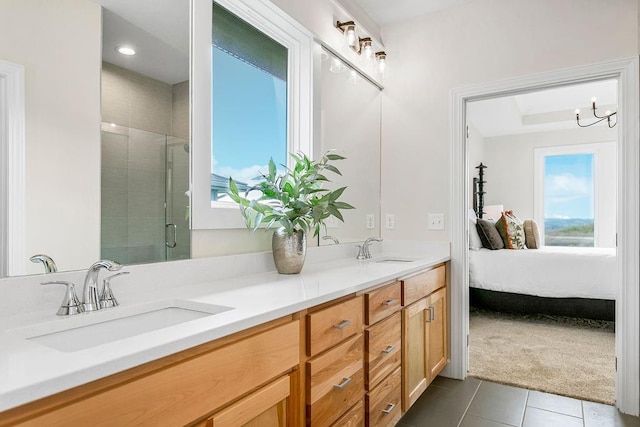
pixel 383 402
pixel 331 325
pixel 335 369
pixel 183 390
pixel 383 348
pixel 362 360
pixel 437 333
pixel 266 407
pixel 424 333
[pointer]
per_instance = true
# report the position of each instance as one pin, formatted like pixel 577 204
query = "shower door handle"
pixel 175 235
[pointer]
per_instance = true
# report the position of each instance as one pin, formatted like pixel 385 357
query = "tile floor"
pixel 476 403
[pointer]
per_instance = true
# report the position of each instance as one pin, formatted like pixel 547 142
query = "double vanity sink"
pixel 47 353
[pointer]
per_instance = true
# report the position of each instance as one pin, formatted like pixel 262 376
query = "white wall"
pixel 479 41
pixel 62 124
pixel 510 172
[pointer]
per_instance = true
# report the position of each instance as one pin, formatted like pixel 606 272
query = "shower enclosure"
pixel 145 203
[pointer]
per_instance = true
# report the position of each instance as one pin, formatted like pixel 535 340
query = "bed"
pixel 568 281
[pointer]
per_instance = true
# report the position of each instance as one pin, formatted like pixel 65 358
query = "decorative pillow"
pixel 474 238
pixel 531 234
pixel 489 235
pixel 511 231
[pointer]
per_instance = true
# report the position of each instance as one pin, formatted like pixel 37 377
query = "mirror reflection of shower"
pixel 144 208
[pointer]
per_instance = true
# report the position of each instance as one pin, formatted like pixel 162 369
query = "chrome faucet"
pixel 363 250
pixel 49 264
pixel 90 294
pixel 332 238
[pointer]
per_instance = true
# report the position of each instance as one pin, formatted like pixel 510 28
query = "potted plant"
pixel 295 202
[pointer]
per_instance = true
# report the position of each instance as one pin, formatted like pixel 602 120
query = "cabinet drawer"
pixel 383 342
pixel 265 408
pixel 335 382
pixel 422 284
pixel 383 402
pixel 182 393
pixel 353 418
pixel 382 302
pixel 329 326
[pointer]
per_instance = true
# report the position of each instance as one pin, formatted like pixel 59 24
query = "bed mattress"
pixel 556 272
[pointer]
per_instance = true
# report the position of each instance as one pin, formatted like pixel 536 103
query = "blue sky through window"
pixel 568 186
pixel 249 118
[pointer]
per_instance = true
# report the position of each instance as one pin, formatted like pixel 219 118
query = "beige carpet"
pixel 555 355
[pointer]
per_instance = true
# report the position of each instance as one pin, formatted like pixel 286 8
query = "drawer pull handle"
pixel 432 314
pixel 342 324
pixel 343 384
pixel 389 302
pixel 390 408
pixel 389 349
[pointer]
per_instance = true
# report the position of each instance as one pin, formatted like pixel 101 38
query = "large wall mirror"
pixel 107 141
pixel 350 117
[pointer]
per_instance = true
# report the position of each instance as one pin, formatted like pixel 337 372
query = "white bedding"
pixel 558 272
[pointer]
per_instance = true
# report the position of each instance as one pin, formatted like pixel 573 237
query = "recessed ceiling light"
pixel 125 50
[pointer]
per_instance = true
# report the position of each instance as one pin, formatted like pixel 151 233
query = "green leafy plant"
pixel 294 200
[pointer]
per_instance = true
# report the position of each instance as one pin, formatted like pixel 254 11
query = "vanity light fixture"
pixel 366 47
pixel 125 50
pixel 607 116
pixel 381 57
pixel 348 28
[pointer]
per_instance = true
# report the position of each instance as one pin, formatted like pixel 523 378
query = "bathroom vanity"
pixel 335 345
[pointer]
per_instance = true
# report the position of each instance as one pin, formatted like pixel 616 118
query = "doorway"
pixel 542 309
pixel 627 319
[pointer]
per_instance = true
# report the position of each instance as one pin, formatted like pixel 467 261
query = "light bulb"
pixel 125 50
pixel 368 51
pixel 382 64
pixel 577 111
pixel 607 113
pixel 350 35
pixel 594 99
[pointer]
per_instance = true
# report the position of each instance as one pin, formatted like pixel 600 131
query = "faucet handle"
pixel 107 300
pixel 70 304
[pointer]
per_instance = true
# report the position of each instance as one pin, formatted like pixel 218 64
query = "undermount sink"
pixel 395 260
pixel 126 326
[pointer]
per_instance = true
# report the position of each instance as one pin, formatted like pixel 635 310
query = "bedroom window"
pixel 575 194
pixel 568 200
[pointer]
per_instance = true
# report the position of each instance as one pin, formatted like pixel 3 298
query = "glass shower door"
pixel 144 179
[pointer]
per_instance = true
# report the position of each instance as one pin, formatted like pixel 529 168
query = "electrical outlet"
pixel 371 221
pixel 435 221
pixel 331 222
pixel 390 221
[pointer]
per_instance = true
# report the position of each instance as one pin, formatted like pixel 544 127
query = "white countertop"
pixel 29 370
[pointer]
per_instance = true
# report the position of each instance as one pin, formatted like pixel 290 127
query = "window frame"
pixel 273 22
pixel 596 149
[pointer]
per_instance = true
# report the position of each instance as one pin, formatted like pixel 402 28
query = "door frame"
pixel 626 71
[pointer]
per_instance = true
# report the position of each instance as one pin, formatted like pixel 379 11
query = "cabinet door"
pixel 415 373
pixel 437 332
pixel 266 407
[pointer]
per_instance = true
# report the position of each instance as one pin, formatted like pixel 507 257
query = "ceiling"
pixel 541 111
pixel 386 12
pixel 158 30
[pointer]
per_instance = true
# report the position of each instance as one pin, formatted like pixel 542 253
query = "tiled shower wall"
pixel 139 114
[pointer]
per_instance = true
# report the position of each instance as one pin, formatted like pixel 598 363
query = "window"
pixel 249 82
pixel 575 194
pixel 568 200
pixel 251 99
